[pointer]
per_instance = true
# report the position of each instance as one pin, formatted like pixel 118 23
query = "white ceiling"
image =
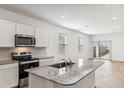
pixel 77 16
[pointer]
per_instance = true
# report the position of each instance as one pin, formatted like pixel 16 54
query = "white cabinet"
pixel 48 61
pixel 9 76
pixel 41 37
pixel 24 29
pixel 7 32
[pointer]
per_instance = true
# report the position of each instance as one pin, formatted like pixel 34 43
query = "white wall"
pixel 53 31
pixel 117 44
pixel 72 46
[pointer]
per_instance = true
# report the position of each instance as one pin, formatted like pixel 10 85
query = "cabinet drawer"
pixel 8 66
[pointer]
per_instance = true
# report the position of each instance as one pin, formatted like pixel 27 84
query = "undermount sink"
pixel 61 65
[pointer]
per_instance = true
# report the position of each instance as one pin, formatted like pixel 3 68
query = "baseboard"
pixel 99 59
pixel 117 61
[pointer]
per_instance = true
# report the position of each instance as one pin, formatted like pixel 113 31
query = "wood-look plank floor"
pixel 110 75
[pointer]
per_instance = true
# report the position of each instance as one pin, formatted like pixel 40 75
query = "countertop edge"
pixel 70 83
pixel 5 62
pixel 47 57
pixel 83 76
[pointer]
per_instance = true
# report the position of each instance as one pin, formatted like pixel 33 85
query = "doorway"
pixel 102 50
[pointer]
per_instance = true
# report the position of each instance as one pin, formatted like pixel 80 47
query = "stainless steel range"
pixel 25 62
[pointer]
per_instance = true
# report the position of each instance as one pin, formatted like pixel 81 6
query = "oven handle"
pixel 27 62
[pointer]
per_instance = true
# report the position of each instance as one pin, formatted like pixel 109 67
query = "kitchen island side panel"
pixel 40 82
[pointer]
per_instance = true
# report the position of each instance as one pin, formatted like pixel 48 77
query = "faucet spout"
pixel 66 63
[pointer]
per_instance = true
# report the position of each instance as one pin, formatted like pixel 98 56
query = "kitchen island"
pixel 75 76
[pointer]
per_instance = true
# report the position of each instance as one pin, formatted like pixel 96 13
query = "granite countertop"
pixel 44 57
pixel 69 77
pixel 4 62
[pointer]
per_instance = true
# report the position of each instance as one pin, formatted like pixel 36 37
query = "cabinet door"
pixel 7 32
pixel 41 37
pixel 24 29
pixel 44 62
pixel 9 78
pixel 29 30
pixel 20 29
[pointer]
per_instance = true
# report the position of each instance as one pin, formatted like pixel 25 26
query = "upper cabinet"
pixel 41 37
pixel 24 29
pixel 7 32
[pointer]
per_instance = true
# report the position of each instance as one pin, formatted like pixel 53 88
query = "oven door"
pixel 23 75
pixel 24 40
pixel 23 67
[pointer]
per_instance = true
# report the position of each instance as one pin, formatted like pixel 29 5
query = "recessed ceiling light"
pixel 119 31
pixel 114 18
pixel 63 16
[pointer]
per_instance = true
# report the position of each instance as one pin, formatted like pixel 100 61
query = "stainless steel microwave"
pixel 24 40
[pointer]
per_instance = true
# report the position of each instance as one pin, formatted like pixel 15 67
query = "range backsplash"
pixel 5 53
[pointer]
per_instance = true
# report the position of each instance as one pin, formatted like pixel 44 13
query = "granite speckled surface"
pixel 4 62
pixel 45 57
pixel 66 77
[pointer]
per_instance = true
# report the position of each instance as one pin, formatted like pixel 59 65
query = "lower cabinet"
pixel 48 61
pixel 9 77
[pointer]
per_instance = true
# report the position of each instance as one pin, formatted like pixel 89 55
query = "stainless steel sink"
pixel 61 65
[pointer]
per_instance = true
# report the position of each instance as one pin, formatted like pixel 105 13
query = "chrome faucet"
pixel 66 63
pixel 70 61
